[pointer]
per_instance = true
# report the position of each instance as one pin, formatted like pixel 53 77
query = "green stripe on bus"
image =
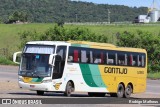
pixel 97 77
pixel 79 45
pixel 37 80
pixel 87 75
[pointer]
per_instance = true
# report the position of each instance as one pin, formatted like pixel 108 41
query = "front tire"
pixel 69 89
pixel 40 92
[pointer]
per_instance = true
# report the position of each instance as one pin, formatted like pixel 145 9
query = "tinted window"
pixel 109 57
pixel 61 51
pixel 122 59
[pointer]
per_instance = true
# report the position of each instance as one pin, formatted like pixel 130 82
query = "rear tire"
pixel 128 91
pixel 40 92
pixel 69 89
pixel 120 91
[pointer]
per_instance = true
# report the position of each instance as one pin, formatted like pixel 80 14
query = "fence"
pixel 3 52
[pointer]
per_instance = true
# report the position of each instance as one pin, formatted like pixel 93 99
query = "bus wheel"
pixel 120 91
pixel 128 91
pixel 69 89
pixel 40 92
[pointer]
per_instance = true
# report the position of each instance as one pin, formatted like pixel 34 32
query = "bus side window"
pixel 111 58
pixel 97 57
pixel 102 58
pixel 106 57
pixel 141 61
pixel 130 60
pixel 121 59
pixel 91 56
pixel 70 55
pixel 133 60
pixel 76 56
pixel 61 51
pixel 84 58
pixel 126 59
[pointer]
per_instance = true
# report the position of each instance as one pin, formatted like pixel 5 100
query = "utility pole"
pixel 76 18
pixel 109 20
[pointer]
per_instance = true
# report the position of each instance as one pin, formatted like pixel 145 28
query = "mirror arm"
pixel 15 57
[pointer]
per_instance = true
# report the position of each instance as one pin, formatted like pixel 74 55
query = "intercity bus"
pixel 79 66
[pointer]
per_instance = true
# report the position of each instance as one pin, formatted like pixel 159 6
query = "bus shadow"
pixel 62 95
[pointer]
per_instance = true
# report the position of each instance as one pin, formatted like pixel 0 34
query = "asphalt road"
pixel 9 74
pixel 153 86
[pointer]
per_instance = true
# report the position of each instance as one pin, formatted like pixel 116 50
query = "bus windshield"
pixel 35 60
pixel 35 65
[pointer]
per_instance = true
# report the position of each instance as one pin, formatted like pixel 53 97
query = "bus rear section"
pixel 116 71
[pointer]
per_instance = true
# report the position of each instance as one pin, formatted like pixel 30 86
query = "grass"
pixel 9 34
pixel 154 75
pixel 5 61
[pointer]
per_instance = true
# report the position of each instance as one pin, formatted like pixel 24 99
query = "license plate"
pixel 32 86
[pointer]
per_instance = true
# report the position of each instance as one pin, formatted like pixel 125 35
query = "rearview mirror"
pixel 15 57
pixel 52 59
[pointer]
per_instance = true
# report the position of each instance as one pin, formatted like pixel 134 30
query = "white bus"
pixel 78 66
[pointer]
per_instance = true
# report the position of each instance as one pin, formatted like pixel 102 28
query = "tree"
pixel 66 11
pixel 145 40
pixel 59 33
pixel 18 16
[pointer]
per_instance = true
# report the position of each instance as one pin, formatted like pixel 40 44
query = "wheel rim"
pixel 120 91
pixel 128 91
pixel 69 89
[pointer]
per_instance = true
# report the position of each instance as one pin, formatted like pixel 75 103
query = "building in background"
pixel 153 15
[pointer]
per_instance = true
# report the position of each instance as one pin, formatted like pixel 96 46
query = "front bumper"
pixel 35 87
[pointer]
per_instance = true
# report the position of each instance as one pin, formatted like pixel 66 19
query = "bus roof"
pixel 88 44
pixel 107 46
pixel 92 43
pixel 48 42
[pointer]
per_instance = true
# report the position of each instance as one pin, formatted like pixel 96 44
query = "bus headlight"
pixel 20 80
pixel 47 81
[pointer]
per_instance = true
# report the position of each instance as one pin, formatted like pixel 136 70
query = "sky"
pixel 131 3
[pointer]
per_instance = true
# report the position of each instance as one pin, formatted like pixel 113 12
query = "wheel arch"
pixel 122 84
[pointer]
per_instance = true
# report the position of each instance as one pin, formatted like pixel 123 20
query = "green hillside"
pixel 45 11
